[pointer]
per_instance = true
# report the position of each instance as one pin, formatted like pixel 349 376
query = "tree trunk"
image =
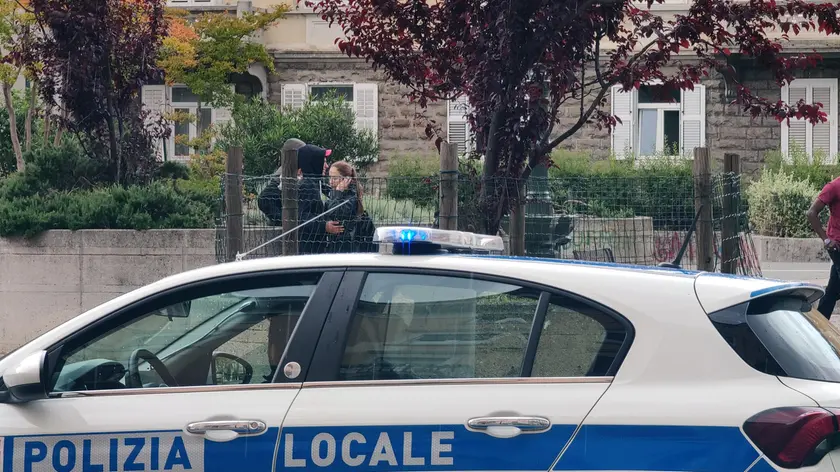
pixel 490 198
pixel 47 124
pixel 10 107
pixel 112 139
pixel 59 132
pixel 30 112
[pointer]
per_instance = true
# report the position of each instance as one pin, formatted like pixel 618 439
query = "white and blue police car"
pixel 431 357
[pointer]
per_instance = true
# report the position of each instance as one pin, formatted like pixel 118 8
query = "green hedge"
pixel 62 189
pixel 159 205
pixel 777 204
pixel 661 187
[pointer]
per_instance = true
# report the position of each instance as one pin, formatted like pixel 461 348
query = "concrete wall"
pixel 50 279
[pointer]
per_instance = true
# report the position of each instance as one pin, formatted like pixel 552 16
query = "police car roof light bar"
pixel 417 240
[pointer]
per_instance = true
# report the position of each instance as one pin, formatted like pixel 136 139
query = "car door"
pixel 422 370
pixel 182 381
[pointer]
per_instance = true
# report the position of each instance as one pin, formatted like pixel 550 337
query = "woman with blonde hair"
pixel 356 234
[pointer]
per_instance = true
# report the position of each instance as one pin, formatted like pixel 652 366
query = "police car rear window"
pixel 782 336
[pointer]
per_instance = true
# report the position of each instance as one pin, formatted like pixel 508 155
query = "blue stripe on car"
pixel 391 448
pixel 672 448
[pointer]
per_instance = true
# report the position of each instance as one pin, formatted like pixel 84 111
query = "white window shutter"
pixel 794 133
pixel 366 103
pixel 294 96
pixel 457 125
pixel 622 107
pixel 222 115
pixel 799 134
pixel 693 120
pixel 824 139
pixel 154 99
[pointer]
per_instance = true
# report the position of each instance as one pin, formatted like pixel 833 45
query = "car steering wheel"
pixel 133 378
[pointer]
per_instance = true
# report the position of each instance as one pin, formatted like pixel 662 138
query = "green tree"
pixel 204 55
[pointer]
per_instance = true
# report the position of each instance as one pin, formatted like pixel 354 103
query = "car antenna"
pixel 675 264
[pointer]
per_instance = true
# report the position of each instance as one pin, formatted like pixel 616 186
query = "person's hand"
pixel 832 245
pixel 334 227
pixel 343 184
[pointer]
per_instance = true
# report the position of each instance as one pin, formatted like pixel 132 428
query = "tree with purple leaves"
pixel 520 62
pixel 95 57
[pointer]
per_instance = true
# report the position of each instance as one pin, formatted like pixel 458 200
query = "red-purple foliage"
pixel 521 61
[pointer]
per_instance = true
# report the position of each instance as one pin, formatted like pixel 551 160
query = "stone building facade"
pixel 308 63
pixel 399 125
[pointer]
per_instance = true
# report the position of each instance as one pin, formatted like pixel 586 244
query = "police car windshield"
pixel 783 336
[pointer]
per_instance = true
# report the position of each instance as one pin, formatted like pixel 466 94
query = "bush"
pixel 414 178
pixel 54 169
pixel 261 129
pixel 158 205
pixel 660 187
pixel 777 204
pixel 801 167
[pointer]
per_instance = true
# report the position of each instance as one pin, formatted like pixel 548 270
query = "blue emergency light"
pixel 408 240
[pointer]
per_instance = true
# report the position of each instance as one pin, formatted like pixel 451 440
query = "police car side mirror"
pixel 27 381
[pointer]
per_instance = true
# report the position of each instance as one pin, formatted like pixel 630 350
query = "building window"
pixel 182 101
pixel 458 129
pixel 800 138
pixel 362 98
pixel 655 122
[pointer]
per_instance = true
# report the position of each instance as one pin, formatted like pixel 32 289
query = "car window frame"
pixel 330 350
pixel 298 349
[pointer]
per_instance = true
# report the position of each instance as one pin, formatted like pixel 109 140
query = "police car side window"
pixel 577 340
pixel 413 326
pixel 234 337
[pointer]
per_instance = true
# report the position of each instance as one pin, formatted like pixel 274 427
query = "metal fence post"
pixel 449 186
pixel 233 203
pixel 730 238
pixel 289 190
pixel 705 235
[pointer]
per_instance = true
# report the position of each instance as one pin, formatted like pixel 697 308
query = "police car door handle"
pixel 526 424
pixel 241 427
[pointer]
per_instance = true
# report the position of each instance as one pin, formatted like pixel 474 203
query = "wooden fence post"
pixel 233 204
pixel 729 234
pixel 704 234
pixel 289 190
pixel 448 214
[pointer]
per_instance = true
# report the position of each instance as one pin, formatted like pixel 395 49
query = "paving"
pixel 813 272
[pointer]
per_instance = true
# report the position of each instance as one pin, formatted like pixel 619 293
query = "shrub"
pixel 173 170
pixel 261 129
pixel 54 169
pixel 158 205
pixel 414 178
pixel 777 204
pixel 660 187
pixel 801 167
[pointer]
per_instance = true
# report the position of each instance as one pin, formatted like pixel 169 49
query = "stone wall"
pixel 60 274
pixel 50 279
pixel 728 127
pixel 401 131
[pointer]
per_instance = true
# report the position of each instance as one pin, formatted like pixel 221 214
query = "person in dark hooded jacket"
pixel 312 161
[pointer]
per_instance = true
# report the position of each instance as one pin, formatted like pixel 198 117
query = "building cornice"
pixel 309 56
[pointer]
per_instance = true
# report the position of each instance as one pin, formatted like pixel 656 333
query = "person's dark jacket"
pixel 311 237
pixel 346 215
